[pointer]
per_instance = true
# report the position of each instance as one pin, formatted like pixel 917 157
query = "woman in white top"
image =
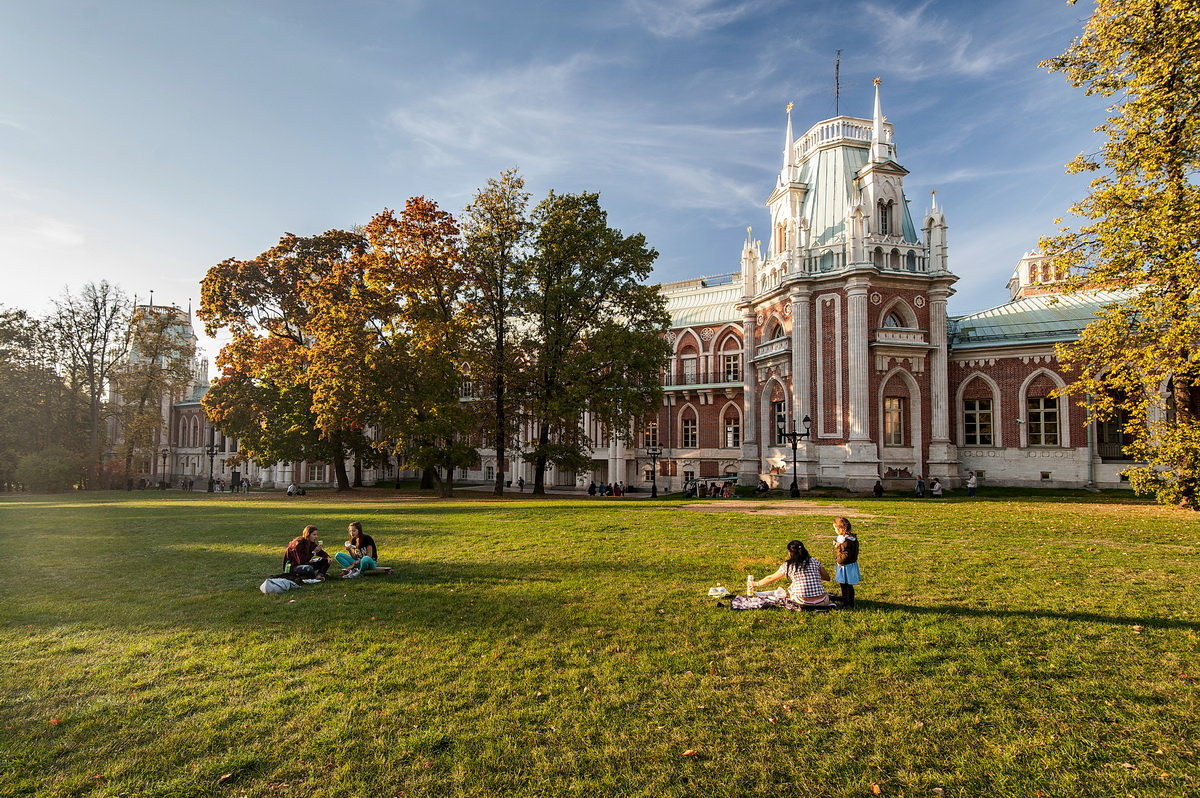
pixel 807 575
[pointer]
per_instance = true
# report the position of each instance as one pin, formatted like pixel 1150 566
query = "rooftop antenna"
pixel 837 84
pixel 152 299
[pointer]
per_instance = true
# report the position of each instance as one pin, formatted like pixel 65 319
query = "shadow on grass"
pixel 1087 617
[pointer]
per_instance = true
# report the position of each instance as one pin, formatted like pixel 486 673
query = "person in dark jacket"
pixel 305 555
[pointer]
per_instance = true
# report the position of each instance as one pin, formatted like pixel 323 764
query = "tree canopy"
pixel 1140 230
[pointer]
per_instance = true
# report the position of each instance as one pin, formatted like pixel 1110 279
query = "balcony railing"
pixel 733 377
pixel 772 347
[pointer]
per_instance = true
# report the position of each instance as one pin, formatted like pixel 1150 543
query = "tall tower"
pixel 860 298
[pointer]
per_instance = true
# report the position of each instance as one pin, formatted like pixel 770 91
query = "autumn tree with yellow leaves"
pixel 1139 362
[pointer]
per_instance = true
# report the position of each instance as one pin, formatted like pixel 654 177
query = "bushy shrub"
pixel 49 471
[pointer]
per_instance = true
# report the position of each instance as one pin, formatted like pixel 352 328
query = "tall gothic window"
pixel 690 438
pixel 885 218
pixel 893 421
pixel 977 422
pixel 1042 423
pixel 733 432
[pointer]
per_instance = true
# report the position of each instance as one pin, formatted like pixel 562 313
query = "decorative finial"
pixel 877 81
pixel 790 107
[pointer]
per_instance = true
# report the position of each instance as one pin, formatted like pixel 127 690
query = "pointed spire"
pixel 787 144
pixel 933 201
pixel 878 147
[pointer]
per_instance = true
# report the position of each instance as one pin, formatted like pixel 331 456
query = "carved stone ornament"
pixel 787 309
pixel 876 298
pixel 758 317
pixel 919 301
pixel 707 333
pixel 671 336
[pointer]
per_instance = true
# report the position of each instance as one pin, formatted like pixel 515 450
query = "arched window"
pixel 1042 413
pixel 910 261
pixel 689 361
pixel 731 360
pixel 731 425
pixel 893 320
pixel 775 330
pixel 689 429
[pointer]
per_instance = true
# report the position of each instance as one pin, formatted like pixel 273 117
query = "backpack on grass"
pixel 276 584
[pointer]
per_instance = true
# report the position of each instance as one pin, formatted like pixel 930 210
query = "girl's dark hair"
pixel 798 556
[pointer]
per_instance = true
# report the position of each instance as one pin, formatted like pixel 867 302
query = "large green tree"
pixel 496 266
pixel 594 330
pixel 1140 230
pixel 38 411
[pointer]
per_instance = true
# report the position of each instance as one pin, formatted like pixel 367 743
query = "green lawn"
pixel 1026 646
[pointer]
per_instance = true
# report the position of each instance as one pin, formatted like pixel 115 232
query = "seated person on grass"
pixel 806 591
pixel 305 556
pixel 362 554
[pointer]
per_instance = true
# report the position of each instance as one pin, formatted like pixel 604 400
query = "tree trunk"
pixel 358 469
pixel 388 459
pixel 501 438
pixel 427 478
pixel 339 466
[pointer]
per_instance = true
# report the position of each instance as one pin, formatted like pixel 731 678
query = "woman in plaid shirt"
pixel 807 575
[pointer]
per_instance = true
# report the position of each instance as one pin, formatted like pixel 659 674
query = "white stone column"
pixel 862 455
pixel 751 465
pixel 943 455
pixel 857 361
pixel 802 391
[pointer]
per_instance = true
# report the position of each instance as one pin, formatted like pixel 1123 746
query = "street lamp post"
pixel 163 476
pixel 654 452
pixel 794 437
pixel 211 450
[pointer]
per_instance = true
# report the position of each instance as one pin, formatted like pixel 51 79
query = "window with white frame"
pixel 1042 422
pixel 733 432
pixel 689 362
pixel 731 367
pixel 490 471
pixel 690 433
pixel 314 472
pixel 893 421
pixel 977 422
pixel 885 218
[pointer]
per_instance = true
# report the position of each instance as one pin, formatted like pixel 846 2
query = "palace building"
pixel 829 353
pixel 838 330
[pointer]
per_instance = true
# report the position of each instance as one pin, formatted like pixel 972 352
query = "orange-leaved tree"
pixel 289 386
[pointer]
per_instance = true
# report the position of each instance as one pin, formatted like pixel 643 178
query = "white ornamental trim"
pixel 919 301
pixel 876 298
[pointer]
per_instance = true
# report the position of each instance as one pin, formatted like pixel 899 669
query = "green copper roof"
pixel 1032 319
pixel 693 302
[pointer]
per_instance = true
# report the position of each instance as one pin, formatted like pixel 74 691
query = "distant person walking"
pixel 972 484
pixel 920 487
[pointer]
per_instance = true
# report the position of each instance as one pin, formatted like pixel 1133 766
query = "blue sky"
pixel 142 142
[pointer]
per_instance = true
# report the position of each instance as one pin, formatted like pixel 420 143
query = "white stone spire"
pixel 879 150
pixel 785 175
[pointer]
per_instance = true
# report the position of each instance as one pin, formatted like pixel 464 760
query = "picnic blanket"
pixel 775 602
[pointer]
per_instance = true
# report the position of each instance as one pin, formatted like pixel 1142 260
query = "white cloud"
pixel 678 19
pixel 6 121
pixel 25 232
pixel 542 119
pixel 919 45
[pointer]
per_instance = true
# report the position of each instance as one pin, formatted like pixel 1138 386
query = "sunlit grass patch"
pixel 562 647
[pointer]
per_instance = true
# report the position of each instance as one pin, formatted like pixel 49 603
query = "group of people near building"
pixel 606 489
pixel 306 558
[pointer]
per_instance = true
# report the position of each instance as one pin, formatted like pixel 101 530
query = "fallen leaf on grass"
pixel 1138 629
pixel 691 752
pixel 225 777
pixel 55 721
pixel 875 788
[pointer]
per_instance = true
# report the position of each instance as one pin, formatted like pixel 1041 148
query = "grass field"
pixel 1025 646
